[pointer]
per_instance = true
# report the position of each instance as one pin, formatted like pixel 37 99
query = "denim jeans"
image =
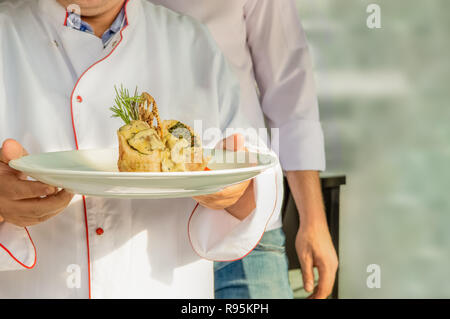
pixel 261 274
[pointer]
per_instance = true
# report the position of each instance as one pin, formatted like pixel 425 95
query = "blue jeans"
pixel 261 274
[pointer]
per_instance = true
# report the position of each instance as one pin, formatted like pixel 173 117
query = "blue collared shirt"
pixel 74 21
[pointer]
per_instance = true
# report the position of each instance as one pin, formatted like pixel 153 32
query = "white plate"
pixel 95 173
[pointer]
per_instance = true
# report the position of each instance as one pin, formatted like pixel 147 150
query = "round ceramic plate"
pixel 95 173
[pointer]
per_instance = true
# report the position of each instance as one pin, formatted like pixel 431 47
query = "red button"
pixel 79 99
pixel 99 231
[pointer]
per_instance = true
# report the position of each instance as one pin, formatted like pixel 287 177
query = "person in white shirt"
pixel 267 48
pixel 57 78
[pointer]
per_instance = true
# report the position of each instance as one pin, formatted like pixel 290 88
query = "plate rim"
pixel 16 164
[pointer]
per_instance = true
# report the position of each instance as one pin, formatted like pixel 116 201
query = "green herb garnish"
pixel 127 107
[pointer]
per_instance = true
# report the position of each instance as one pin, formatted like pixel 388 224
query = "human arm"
pixel 284 74
pixel 231 233
pixel 313 241
pixel 22 203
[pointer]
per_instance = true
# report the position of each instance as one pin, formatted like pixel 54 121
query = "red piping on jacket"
pixel 76 139
pixel 265 227
pixel 18 261
pixel 67 16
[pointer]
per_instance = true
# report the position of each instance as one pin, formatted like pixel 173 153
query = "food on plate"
pixel 168 146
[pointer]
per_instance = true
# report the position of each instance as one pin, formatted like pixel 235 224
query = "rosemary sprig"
pixel 126 107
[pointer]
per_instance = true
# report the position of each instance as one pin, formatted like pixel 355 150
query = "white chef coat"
pixel 56 87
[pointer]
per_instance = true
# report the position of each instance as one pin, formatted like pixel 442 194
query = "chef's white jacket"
pixel 56 87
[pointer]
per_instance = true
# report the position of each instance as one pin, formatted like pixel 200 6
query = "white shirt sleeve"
pixel 219 236
pixel 284 74
pixel 216 234
pixel 17 250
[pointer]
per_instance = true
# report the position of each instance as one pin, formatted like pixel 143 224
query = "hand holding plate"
pixel 237 199
pixel 23 202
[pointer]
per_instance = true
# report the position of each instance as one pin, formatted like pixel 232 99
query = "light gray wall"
pixel 384 101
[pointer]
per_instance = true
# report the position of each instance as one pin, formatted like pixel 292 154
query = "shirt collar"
pixel 57 14
pixel 74 21
pixel 119 22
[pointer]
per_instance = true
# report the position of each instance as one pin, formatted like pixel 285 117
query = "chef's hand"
pixel 237 199
pixel 23 202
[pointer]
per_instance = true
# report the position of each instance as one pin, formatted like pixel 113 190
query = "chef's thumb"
pixel 11 150
pixel 235 142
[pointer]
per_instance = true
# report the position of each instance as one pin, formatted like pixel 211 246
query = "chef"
pixel 58 69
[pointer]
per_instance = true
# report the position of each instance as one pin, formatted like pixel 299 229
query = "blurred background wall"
pixel 384 101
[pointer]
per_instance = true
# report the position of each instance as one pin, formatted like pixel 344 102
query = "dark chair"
pixel 331 189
